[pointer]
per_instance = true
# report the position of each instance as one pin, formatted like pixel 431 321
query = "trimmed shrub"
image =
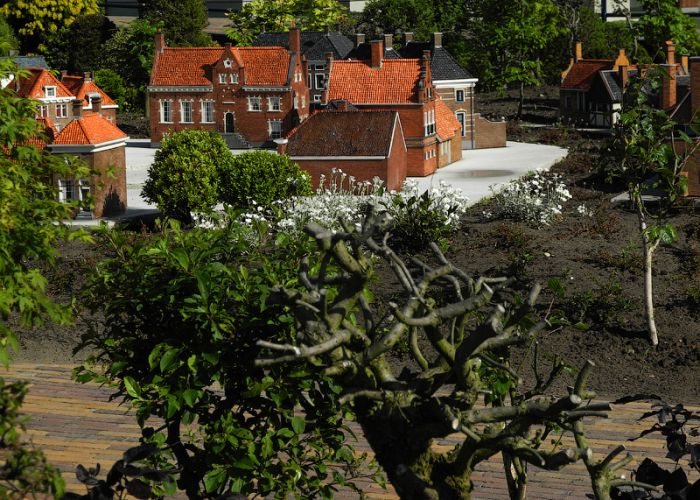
pixel 261 177
pixel 184 177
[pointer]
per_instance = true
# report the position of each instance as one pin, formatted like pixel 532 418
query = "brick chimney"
pixel 64 73
pixel 160 42
pixel 77 105
pixel 436 40
pixel 281 145
pixel 668 86
pixel 388 41
pixel 407 37
pixel 359 39
pixel 295 40
pixel 670 52
pixel 684 63
pixel 423 78
pixel 578 51
pixel 97 104
pixel 87 77
pixel 624 72
pixel 377 54
pixel 327 75
pixel 694 85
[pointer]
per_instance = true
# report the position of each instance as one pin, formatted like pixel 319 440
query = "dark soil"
pixel 597 259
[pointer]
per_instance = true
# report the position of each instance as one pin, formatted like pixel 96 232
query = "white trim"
pixel 332 158
pixel 51 100
pixel 266 89
pixel 177 88
pixel 467 82
pixel 88 148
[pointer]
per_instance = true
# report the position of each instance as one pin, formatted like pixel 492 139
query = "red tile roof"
pixel 266 66
pixel 89 129
pixel 446 123
pixel 356 81
pixel 80 88
pixel 583 72
pixel 343 133
pixel 32 87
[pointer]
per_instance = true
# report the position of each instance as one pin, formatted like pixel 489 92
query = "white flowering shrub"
pixel 536 198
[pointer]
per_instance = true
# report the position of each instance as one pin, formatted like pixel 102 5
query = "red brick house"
pixel 100 143
pixel 401 85
pixel 85 88
pixel 251 95
pixel 362 143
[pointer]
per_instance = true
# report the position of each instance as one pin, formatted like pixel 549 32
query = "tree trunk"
pixel 521 101
pixel 648 247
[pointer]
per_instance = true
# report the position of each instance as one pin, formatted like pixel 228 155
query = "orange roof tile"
pixel 32 87
pixel 89 129
pixel 446 123
pixel 267 66
pixel 583 72
pixel 81 88
pixel 356 81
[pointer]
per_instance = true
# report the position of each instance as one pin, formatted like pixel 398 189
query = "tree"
pixel 664 20
pixel 261 178
pixel 8 41
pixel 458 329
pixel 183 21
pixel 392 16
pixel 646 158
pixel 184 176
pixel 79 47
pixel 30 227
pixel 278 15
pixel 31 19
pixel 113 85
pixel 176 321
pixel 513 37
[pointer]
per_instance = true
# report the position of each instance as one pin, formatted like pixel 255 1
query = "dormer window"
pixel 50 91
pixel 227 63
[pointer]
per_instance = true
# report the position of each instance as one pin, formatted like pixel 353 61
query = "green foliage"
pixel 663 20
pixel 278 15
pixel 8 40
pixel 392 16
pixel 183 21
pixel 184 176
pixel 29 228
pixel 261 178
pixel 113 84
pixel 603 306
pixel 79 47
pixel 177 333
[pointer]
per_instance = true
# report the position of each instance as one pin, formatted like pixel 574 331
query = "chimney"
pixel 621 59
pixel 281 145
pixel 327 76
pixel 97 104
pixel 77 105
pixel 64 73
pixel 694 85
pixel 359 39
pixel 87 77
pixel 160 42
pixel 670 52
pixel 295 40
pixel 407 37
pixel 624 72
pixel 377 54
pixel 388 41
pixel 436 40
pixel 684 63
pixel 578 51
pixel 668 86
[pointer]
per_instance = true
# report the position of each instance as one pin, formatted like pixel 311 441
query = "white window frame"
pixel 274 129
pixel 319 67
pixel 73 190
pixel 233 78
pixel 227 63
pixel 61 110
pixel 429 122
pixel 222 78
pixel 317 98
pixel 319 83
pixel 185 108
pixel 255 102
pixel 303 102
pixel 274 103
pixel 166 111
pixel 50 91
pixel 207 111
pixel 457 95
pixel 42 111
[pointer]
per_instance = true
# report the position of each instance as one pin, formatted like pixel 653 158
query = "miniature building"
pixel 251 95
pixel 362 143
pixel 85 88
pixel 98 142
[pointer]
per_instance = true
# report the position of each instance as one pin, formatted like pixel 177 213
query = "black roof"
pixel 363 52
pixel 610 81
pixel 314 44
pixel 442 64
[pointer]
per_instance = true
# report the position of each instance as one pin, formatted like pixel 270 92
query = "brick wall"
pixel 489 134
pixel 108 189
pixel 456 145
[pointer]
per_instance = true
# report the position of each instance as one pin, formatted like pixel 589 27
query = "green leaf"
pixel 132 388
pixel 168 359
pixel 214 480
pixel 298 425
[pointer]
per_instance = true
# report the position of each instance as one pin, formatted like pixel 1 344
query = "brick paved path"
pixel 75 423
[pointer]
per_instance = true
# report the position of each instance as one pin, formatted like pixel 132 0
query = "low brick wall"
pixel 488 134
